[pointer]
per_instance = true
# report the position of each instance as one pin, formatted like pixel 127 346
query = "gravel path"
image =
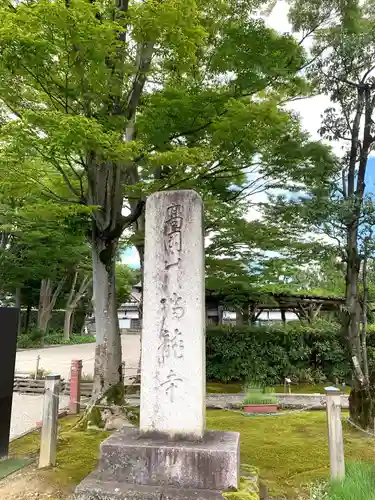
pixel 58 359
pixel 26 411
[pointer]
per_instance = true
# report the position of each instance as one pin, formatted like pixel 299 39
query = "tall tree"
pixel 124 99
pixel 342 67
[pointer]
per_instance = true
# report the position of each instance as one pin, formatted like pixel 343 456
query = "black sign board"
pixel 9 317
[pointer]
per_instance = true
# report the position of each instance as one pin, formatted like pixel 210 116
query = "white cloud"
pixel 310 109
pixel 278 19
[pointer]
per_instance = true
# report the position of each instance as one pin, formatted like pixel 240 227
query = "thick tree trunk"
pixel 106 182
pixel 108 358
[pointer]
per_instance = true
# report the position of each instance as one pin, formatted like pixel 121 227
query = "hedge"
pixel 56 321
pixel 267 354
pixel 52 338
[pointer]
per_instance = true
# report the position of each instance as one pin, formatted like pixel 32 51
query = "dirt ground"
pixel 29 484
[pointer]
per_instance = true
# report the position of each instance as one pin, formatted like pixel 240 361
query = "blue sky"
pixel 130 257
pixel 370 176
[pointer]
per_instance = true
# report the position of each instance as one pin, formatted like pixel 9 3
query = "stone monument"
pixel 170 456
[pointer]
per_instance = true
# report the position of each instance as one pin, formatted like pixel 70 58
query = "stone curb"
pixel 286 401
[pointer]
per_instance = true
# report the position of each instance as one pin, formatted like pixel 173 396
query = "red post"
pixel 75 386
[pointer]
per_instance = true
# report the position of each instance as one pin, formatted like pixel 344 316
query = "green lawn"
pixel 235 387
pixel 290 450
pixel 222 388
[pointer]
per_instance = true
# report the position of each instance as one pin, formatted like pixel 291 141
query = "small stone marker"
pixel 48 436
pixel 173 339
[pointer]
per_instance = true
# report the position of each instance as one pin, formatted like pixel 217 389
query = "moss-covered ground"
pixel 290 451
pixel 77 453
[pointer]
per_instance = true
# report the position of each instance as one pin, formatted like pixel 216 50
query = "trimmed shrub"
pixel 307 353
pixel 57 320
pixel 54 338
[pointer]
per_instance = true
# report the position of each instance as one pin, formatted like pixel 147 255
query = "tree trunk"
pixel 140 227
pixel 364 318
pixel 44 300
pixel 246 314
pixel 69 309
pixel 18 305
pixel 283 316
pixel 239 318
pixel 108 358
pixel 361 406
pixel 352 320
pixel 72 320
pixel 72 303
pixel 106 182
pixel 68 323
pixel 47 302
pixel 27 319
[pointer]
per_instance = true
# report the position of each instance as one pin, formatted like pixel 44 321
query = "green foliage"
pixel 248 490
pixel 358 484
pixel 307 353
pixel 35 334
pixel 255 394
pixel 318 491
pixel 126 277
pixel 53 338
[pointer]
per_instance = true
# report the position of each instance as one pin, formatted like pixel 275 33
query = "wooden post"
pixel 75 387
pixel 37 367
pixel 47 455
pixel 335 439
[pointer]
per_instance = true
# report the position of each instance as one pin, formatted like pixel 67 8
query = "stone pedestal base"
pixel 133 467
